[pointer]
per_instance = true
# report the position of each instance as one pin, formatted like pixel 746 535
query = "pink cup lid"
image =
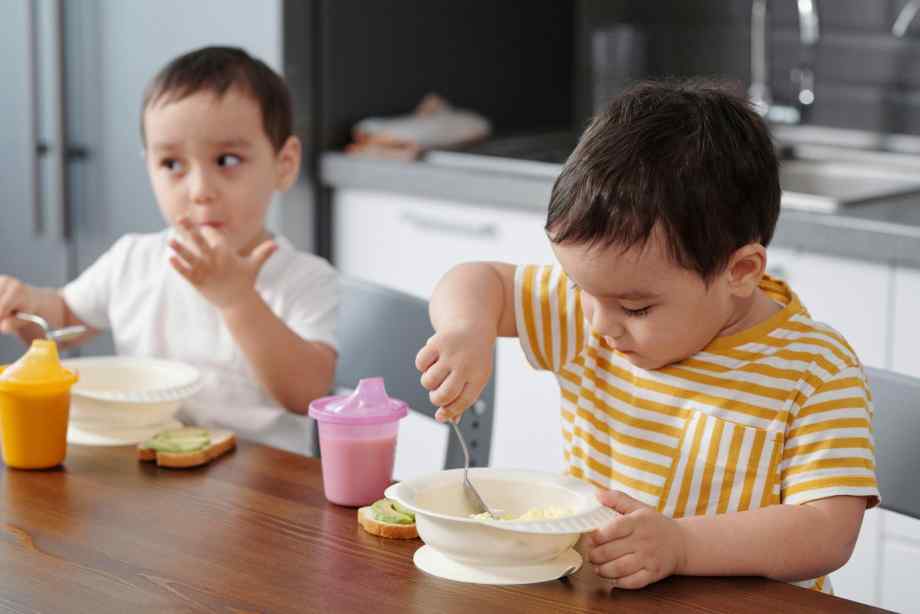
pixel 368 404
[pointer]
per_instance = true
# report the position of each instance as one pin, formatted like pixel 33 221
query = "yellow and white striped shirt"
pixel 779 413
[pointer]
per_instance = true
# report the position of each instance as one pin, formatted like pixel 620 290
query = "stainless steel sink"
pixel 828 185
pixel 828 179
pixel 814 176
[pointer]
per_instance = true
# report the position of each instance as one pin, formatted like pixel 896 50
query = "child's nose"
pixel 201 187
pixel 607 324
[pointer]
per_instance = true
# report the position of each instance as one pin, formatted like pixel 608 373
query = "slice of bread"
pixel 206 445
pixel 390 530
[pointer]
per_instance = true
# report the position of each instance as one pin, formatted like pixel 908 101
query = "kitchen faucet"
pixel 907 14
pixel 803 74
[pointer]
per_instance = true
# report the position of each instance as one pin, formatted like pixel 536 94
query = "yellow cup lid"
pixel 40 366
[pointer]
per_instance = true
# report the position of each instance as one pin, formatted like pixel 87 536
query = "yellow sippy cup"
pixel 35 408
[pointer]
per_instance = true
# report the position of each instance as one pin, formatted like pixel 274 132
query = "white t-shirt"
pixel 154 312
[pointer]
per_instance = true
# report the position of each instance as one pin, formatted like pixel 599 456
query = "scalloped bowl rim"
pixel 592 515
pixel 188 377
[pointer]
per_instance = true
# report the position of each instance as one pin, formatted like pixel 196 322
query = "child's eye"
pixel 171 164
pixel 637 313
pixel 228 160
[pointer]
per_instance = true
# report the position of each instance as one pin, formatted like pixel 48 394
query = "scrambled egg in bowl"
pixel 535 513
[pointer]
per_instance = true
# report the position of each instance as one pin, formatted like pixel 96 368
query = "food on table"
pixel 186 447
pixel 388 518
pixel 535 513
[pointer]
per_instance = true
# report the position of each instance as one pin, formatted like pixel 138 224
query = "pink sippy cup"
pixel 357 441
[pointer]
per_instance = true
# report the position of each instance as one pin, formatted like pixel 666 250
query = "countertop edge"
pixel 836 234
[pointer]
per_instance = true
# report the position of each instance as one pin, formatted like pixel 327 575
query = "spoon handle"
pixel 28 317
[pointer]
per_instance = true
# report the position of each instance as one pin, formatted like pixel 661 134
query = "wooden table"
pixel 253 533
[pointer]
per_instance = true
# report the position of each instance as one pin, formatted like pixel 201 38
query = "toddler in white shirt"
pixel 216 289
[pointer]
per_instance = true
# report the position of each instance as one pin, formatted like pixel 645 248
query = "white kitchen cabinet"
pixel 849 295
pixel 900 590
pixel 781 261
pixel 905 354
pixel 408 243
pixel 527 424
pixel 859 578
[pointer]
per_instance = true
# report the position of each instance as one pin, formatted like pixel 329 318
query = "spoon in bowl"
pixel 59 335
pixel 472 495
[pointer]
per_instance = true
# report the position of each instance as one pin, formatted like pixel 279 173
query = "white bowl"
pixel 443 521
pixel 128 394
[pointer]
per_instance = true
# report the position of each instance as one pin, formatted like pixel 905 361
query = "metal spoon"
pixel 58 335
pixel 472 495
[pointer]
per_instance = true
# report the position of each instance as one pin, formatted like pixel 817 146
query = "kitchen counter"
pixel 887 232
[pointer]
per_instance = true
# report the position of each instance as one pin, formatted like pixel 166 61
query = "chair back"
pixel 896 429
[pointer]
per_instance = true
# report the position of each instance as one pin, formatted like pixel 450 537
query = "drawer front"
pixel 409 243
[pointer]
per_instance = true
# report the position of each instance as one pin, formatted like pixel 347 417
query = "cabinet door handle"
pixel 59 154
pixel 478 231
pixel 38 218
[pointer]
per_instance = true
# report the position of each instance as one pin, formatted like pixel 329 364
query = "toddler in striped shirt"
pixel 729 428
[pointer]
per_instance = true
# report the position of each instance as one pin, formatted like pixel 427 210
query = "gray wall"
pixel 865 77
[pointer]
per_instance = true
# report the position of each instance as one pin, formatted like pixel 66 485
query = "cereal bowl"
pixel 121 399
pixel 444 522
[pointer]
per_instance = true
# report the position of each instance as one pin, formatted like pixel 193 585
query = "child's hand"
pixel 638 548
pixel 213 267
pixel 14 296
pixel 455 365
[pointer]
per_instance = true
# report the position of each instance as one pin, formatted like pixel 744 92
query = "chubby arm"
pixel 471 306
pixel 782 542
pixel 294 371
pixel 477 295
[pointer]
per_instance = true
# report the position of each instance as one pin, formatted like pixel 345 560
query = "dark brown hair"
pixel 217 70
pixel 689 156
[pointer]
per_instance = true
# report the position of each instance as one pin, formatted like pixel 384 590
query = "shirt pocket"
pixel 722 466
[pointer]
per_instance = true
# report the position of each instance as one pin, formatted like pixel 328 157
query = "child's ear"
pixel 746 268
pixel 288 164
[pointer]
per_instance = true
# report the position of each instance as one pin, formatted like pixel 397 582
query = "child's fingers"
pixel 9 304
pixel 262 253
pixel 10 289
pixel 640 579
pixel 212 237
pixel 192 233
pixel 455 408
pixel 449 390
pixel 618 528
pixel 622 567
pixel 610 551
pixel 185 253
pixel 434 376
pixel 426 357
pixel 182 269
pixel 6 303
pixel 11 324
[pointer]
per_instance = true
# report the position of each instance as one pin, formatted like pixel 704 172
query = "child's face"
pixel 650 309
pixel 210 160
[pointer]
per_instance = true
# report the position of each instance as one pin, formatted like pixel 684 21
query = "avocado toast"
pixel 389 519
pixel 186 447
